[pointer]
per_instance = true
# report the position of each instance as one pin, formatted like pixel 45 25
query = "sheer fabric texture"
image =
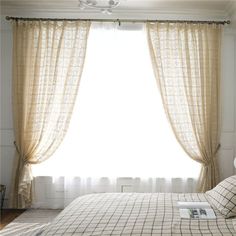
pixel 47 65
pixel 119 138
pixel 58 192
pixel 118 127
pixel 186 62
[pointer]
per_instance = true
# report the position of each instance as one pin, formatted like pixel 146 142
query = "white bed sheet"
pixel 139 214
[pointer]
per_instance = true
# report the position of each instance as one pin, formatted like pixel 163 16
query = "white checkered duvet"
pixel 134 214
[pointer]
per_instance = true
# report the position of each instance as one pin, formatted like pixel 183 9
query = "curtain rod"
pixel 119 20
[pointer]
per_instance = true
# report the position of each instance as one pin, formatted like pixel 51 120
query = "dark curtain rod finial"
pixel 119 20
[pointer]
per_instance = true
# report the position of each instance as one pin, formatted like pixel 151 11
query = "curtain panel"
pixel 186 63
pixel 57 192
pixel 48 58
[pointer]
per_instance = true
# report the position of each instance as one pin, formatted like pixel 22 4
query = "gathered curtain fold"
pixel 186 63
pixel 48 58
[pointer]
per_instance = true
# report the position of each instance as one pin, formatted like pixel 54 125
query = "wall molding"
pixel 7 137
pixel 228 111
pixel 127 13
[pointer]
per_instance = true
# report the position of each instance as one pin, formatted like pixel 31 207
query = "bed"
pixel 137 214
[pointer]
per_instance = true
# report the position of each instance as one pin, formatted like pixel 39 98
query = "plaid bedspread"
pixel 135 214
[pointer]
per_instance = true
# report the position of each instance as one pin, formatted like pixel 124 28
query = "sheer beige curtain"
pixel 186 62
pixel 48 58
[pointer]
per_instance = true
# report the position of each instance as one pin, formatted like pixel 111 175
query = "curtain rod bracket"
pixel 119 23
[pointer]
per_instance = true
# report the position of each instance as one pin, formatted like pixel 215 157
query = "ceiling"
pixel 206 9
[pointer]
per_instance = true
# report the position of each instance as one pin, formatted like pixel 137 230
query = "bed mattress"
pixel 136 214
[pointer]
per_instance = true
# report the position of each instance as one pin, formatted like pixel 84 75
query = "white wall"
pixel 228 137
pixel 228 90
pixel 6 128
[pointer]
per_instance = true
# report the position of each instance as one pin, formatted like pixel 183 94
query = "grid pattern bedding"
pixel 136 214
pixel 223 197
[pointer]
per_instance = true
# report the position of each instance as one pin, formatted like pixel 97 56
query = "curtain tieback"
pixel 18 151
pixel 212 160
pixel 217 149
pixel 207 164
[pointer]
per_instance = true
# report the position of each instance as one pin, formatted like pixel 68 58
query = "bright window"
pixel 118 127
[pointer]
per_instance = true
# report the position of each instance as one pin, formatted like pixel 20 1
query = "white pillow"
pixel 223 197
pixel 234 223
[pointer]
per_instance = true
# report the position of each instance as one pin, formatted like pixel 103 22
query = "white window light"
pixel 118 127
